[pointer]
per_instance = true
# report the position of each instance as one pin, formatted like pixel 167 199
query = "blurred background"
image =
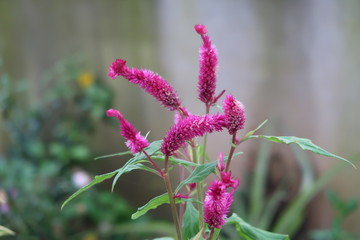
pixel 296 63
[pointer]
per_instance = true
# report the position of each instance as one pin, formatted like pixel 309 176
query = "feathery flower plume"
pixel 234 114
pixel 188 128
pixel 220 166
pixel 217 204
pixel 208 62
pixel 229 181
pixel 218 200
pixel 135 141
pixel 151 82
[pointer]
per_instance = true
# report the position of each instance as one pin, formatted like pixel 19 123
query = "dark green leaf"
pixel 249 232
pixel 97 179
pixel 128 168
pixel 304 143
pixel 199 173
pixel 113 155
pixel 190 221
pixel 163 238
pixel 152 204
pixel 176 161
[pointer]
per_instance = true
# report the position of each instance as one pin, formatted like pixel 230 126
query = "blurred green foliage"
pixel 46 146
pixel 278 208
pixel 343 209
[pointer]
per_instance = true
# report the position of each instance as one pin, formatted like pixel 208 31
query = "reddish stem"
pixel 232 150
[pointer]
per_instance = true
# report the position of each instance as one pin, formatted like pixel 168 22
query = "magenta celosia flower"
pixel 234 114
pixel 221 165
pixel 182 113
pixel 218 200
pixel 135 141
pixel 229 181
pixel 151 82
pixel 217 204
pixel 188 128
pixel 179 195
pixel 208 62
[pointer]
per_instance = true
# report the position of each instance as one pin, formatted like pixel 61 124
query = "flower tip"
pixel 116 68
pixel 200 29
pixel 112 113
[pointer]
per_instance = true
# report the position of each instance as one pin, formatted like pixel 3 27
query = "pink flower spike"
pixel 217 204
pixel 200 29
pixel 234 114
pixel 229 181
pixel 178 195
pixel 135 141
pixel 192 186
pixel 151 82
pixel 189 128
pixel 221 165
pixel 208 61
pixel 116 68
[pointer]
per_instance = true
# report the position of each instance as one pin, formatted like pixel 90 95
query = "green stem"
pixel 202 161
pixel 199 190
pixel 172 200
pixel 211 234
pixel 232 150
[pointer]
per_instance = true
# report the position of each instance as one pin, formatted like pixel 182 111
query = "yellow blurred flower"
pixel 90 236
pixel 86 79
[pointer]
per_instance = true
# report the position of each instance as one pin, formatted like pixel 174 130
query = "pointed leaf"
pixel 176 161
pixel 199 235
pixel 128 168
pixel 304 143
pixel 164 238
pixel 152 204
pixel 253 131
pixel 5 231
pixel 113 155
pixel 97 179
pixel 249 232
pixel 199 173
pixel 190 221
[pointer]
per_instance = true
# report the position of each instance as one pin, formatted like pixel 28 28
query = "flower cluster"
pixel 187 126
pixel 218 200
pixel 208 62
pixel 190 127
pixel 235 114
pixel 135 141
pixel 149 81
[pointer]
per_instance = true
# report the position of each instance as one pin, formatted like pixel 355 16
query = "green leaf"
pixel 304 143
pixel 247 135
pixel 153 147
pixel 234 155
pixel 97 179
pixel 164 238
pixel 5 231
pixel 152 204
pixel 140 157
pixel 113 155
pixel 296 208
pixel 258 183
pixel 199 173
pixel 198 236
pixel 190 221
pixel 128 168
pixel 176 161
pixel 249 232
